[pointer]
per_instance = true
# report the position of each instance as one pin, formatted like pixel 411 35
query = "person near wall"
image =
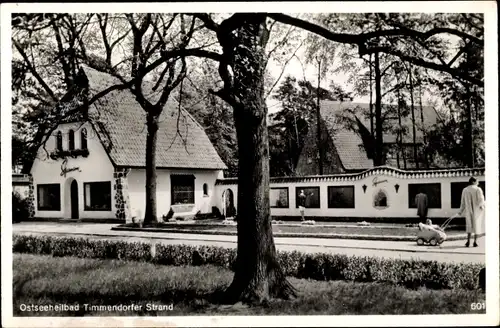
pixel 422 205
pixel 472 207
pixel 302 203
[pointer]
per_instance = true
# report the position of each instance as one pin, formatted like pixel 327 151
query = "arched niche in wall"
pixel 380 199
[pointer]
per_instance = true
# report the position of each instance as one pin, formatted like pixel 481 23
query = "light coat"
pixel 472 208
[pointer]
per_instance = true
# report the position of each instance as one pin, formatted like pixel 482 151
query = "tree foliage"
pixel 421 56
pixel 290 125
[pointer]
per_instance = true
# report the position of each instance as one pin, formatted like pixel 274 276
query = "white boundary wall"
pixel 387 178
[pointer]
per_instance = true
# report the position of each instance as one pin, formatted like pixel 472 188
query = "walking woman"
pixel 472 207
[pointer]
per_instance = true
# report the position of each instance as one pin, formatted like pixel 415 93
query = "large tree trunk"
pixel 379 142
pixel 318 121
pixel 371 96
pixel 400 133
pixel 468 132
pixel 414 130
pixel 424 129
pixel 152 126
pixel 297 148
pixel 258 275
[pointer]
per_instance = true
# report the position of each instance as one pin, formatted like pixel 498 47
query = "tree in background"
pixel 417 40
pixel 214 114
pixel 290 125
pixel 461 138
pixel 44 69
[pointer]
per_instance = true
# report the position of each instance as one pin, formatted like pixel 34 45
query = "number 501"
pixel 478 306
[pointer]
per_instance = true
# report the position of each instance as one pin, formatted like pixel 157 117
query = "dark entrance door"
pixel 74 200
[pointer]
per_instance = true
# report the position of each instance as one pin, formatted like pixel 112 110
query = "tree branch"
pixel 387 68
pixel 316 29
pixel 61 56
pixel 279 43
pixel 424 63
pixel 283 70
pixel 33 71
pixel 398 86
pixel 160 79
pixel 227 97
pixel 456 56
pixel 362 38
pixel 404 31
pixel 171 83
pixel 102 26
pixel 208 21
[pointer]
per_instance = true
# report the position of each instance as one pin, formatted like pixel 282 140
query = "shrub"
pixel 194 255
pixel 20 208
pixel 319 266
pixel 133 251
pixel 173 254
pixel 32 244
pixel 84 248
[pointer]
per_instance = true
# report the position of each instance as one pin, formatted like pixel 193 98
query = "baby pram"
pixel 433 234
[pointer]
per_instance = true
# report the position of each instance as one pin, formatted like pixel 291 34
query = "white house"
pixel 93 165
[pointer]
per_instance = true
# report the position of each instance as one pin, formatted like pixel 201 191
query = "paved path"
pixel 449 251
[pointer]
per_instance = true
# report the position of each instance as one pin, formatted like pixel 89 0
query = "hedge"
pixel 319 266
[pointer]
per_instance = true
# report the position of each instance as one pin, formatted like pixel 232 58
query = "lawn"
pixel 45 280
pixel 305 229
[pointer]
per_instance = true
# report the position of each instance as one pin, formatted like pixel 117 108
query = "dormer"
pixel 71 150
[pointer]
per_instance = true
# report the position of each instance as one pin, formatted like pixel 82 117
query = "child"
pixel 435 226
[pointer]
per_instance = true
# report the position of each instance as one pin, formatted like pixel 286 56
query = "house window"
pixel 205 189
pixel 456 192
pixel 432 190
pixel 278 197
pixel 59 141
pixel 182 187
pixel 83 138
pixel 49 197
pixel 312 197
pixel 71 140
pixel 341 197
pixel 97 196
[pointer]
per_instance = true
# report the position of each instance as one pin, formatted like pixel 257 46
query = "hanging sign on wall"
pixel 65 169
pixel 376 181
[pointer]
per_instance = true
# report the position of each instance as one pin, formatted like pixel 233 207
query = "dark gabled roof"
pixel 121 125
pixel 430 117
pixel 350 145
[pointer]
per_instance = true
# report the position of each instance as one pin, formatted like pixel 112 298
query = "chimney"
pixel 83 84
